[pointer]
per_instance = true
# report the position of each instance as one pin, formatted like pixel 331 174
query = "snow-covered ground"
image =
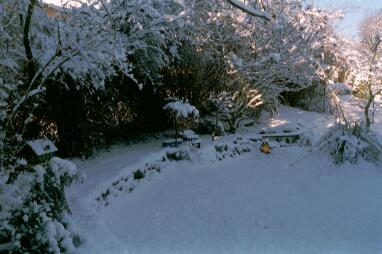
pixel 291 201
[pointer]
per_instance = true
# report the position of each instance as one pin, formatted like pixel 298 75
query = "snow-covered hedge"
pixel 237 147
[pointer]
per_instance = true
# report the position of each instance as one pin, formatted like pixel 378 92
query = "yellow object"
pixel 265 148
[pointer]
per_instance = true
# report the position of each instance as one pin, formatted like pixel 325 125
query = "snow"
pixel 40 172
pixel 290 201
pixel 234 207
pixel 182 109
pixel 32 93
pixel 188 133
pixel 61 167
pixel 42 146
pixel 56 2
pixel 21 162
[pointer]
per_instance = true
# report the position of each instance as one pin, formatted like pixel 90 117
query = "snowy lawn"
pixel 252 203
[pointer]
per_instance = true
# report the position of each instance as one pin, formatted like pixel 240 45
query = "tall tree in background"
pixel 371 36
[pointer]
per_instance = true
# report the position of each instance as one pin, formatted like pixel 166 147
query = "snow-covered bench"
pixel 188 136
pixel 192 138
pixel 172 142
pixel 286 135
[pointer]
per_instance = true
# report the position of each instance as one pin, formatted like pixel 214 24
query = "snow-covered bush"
pixel 231 106
pixel 211 125
pixel 138 174
pixel 179 153
pixel 351 142
pixel 11 199
pixel 361 90
pixel 34 216
pixel 181 114
pixel 305 139
pixel 182 109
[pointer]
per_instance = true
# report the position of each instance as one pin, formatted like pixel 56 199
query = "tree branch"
pixel 245 8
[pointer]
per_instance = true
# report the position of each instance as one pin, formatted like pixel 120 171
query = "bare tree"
pixel 371 35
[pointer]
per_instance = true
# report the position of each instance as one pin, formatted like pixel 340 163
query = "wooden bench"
pixel 187 136
pixel 192 138
pixel 287 137
pixel 172 142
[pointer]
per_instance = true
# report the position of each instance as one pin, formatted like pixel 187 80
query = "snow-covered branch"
pixel 251 11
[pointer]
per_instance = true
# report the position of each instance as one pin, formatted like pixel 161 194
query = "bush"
pixel 350 142
pixel 181 114
pixel 139 174
pixel 362 91
pixel 238 147
pixel 36 221
pixel 178 154
pixel 211 125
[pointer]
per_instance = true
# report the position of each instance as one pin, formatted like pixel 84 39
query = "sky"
pixel 355 11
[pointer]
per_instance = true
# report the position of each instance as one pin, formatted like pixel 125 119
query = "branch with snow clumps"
pixel 245 8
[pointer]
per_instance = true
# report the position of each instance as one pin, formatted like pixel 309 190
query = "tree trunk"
pixel 367 108
pixel 31 69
